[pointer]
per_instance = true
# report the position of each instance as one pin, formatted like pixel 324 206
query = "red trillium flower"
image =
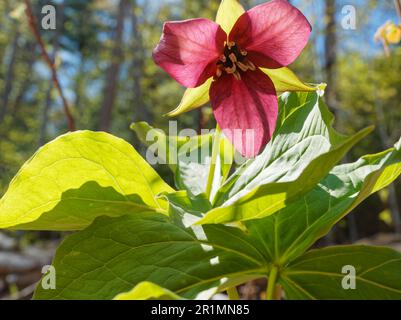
pixel 243 98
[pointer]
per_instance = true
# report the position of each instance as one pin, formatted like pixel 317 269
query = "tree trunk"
pixel 331 53
pixel 48 100
pixel 111 86
pixel 141 111
pixel 79 88
pixel 27 81
pixel 330 61
pixel 9 78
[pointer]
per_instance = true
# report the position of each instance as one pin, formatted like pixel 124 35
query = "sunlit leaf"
pixel 295 228
pixel 78 177
pixel 301 153
pixel 188 157
pixel 147 291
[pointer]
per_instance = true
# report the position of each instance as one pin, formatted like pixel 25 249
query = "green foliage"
pixel 300 154
pixel 115 254
pixel 139 246
pixel 319 274
pixel 76 178
pixel 187 157
pixel 139 236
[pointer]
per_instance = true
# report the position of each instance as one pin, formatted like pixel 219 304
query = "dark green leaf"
pixel 115 254
pixel 327 274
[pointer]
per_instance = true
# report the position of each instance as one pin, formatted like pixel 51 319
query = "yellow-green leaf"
pixel 286 80
pixel 193 98
pixel 188 157
pixel 78 177
pixel 228 13
pixel 148 291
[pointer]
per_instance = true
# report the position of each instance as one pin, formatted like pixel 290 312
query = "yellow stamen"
pixel 233 58
pixel 250 65
pixel 242 66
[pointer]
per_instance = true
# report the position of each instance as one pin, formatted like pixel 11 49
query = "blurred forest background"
pixel 102 52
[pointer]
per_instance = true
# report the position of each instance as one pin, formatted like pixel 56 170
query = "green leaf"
pixel 184 208
pixel 289 233
pixel 301 153
pixel 319 274
pixel 188 157
pixel 194 161
pixel 228 14
pixel 398 144
pixel 288 103
pixel 194 165
pixel 166 147
pixel 115 254
pixel 147 291
pixel 78 177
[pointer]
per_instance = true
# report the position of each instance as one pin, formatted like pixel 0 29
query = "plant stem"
pixel 271 285
pixel 215 152
pixel 33 25
pixel 278 292
pixel 233 293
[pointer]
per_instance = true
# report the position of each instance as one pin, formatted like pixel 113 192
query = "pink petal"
pixel 273 33
pixel 246 110
pixel 188 50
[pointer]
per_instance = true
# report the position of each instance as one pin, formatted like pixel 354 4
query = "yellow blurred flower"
pixel 388 34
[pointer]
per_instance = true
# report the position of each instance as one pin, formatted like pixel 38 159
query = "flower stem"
pixel 215 152
pixel 271 285
pixel 233 293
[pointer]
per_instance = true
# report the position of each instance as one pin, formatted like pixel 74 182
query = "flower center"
pixel 233 61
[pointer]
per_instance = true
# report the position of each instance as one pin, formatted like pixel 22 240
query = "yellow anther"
pixel 242 66
pixel 250 65
pixel 233 58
